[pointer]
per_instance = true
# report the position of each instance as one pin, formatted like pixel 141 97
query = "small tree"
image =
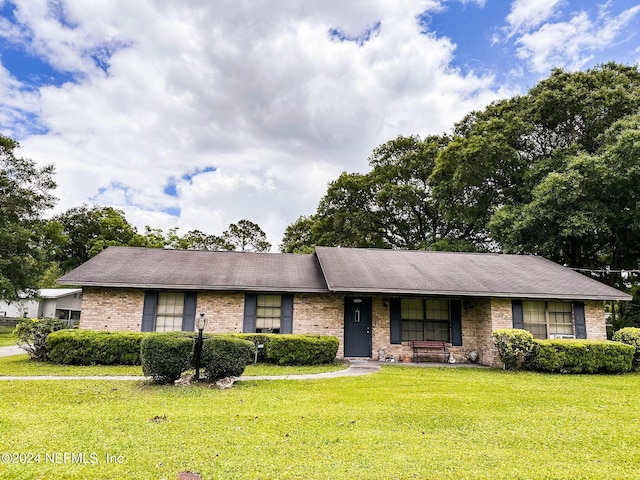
pixel 32 335
pixel 514 345
pixel 246 236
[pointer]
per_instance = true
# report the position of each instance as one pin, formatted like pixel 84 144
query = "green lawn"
pixel 6 336
pixel 20 365
pixel 401 423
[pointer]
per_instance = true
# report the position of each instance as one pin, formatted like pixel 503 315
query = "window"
pixel 425 319
pixel 268 313
pixel 169 313
pixel 548 319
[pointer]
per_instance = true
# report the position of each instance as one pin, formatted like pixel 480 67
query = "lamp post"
pixel 201 323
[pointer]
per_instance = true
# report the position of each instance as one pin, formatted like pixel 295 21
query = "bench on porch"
pixel 424 348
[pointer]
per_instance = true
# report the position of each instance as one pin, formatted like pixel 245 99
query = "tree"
pixel 392 206
pixel 246 236
pixel 86 231
pixel 25 194
pixel 197 240
pixel 519 151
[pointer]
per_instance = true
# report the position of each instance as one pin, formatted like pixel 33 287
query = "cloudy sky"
pixel 197 114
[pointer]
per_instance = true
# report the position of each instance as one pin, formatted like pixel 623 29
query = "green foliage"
pixel 391 206
pixel 630 336
pixel 165 356
pixel 301 349
pixel 225 356
pixel 245 236
pixel 514 346
pixel 32 333
pixel 553 172
pixel 286 349
pixel 25 194
pixel 86 231
pixel 87 347
pixel 581 356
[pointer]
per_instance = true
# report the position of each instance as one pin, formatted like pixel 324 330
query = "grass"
pixel 401 423
pixel 20 365
pixel 6 336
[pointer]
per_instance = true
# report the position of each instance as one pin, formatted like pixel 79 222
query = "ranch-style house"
pixel 376 302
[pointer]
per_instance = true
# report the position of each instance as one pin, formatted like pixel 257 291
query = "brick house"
pixel 375 301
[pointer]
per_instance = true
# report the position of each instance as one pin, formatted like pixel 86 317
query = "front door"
pixel 357 327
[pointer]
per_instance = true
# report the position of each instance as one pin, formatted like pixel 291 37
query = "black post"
pixel 198 354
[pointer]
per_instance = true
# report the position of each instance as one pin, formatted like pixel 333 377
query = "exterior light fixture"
pixel 201 322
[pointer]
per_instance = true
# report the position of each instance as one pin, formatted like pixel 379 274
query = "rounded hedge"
pixel 87 347
pixel 580 356
pixel 165 356
pixel 514 346
pixel 225 356
pixel 630 336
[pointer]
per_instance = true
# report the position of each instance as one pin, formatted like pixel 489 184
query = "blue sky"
pixel 196 115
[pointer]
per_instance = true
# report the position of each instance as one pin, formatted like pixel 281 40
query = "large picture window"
pixel 425 319
pixel 170 311
pixel 268 313
pixel 548 319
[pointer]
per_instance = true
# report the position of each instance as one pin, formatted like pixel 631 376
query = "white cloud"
pixel 570 43
pixel 263 94
pixel 528 14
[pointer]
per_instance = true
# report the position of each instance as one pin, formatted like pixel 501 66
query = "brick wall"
pixel 322 314
pixel 111 308
pixel 595 321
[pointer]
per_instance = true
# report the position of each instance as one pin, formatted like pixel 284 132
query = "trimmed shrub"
pixel 165 356
pixel 581 356
pixel 225 356
pixel 256 339
pixel 301 349
pixel 630 336
pixel 87 347
pixel 32 335
pixel 514 346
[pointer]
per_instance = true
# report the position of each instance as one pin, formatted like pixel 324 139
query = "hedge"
pixel 630 336
pixel 165 356
pixel 87 347
pixel 580 356
pixel 225 356
pixel 290 349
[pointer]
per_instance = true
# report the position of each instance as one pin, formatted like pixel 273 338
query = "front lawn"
pixel 6 336
pixel 20 365
pixel 400 423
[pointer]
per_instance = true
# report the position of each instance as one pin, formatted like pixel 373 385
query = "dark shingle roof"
pixel 465 274
pixel 190 269
pixel 343 270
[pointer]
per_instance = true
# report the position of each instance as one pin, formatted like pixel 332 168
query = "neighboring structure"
pixel 62 303
pixel 375 301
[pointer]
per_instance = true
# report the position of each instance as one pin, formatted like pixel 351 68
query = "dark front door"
pixel 357 327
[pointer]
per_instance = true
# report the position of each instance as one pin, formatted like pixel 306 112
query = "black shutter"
pixel 517 313
pixel 581 326
pixel 456 323
pixel 395 320
pixel 189 312
pixel 149 311
pixel 250 304
pixel 286 318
